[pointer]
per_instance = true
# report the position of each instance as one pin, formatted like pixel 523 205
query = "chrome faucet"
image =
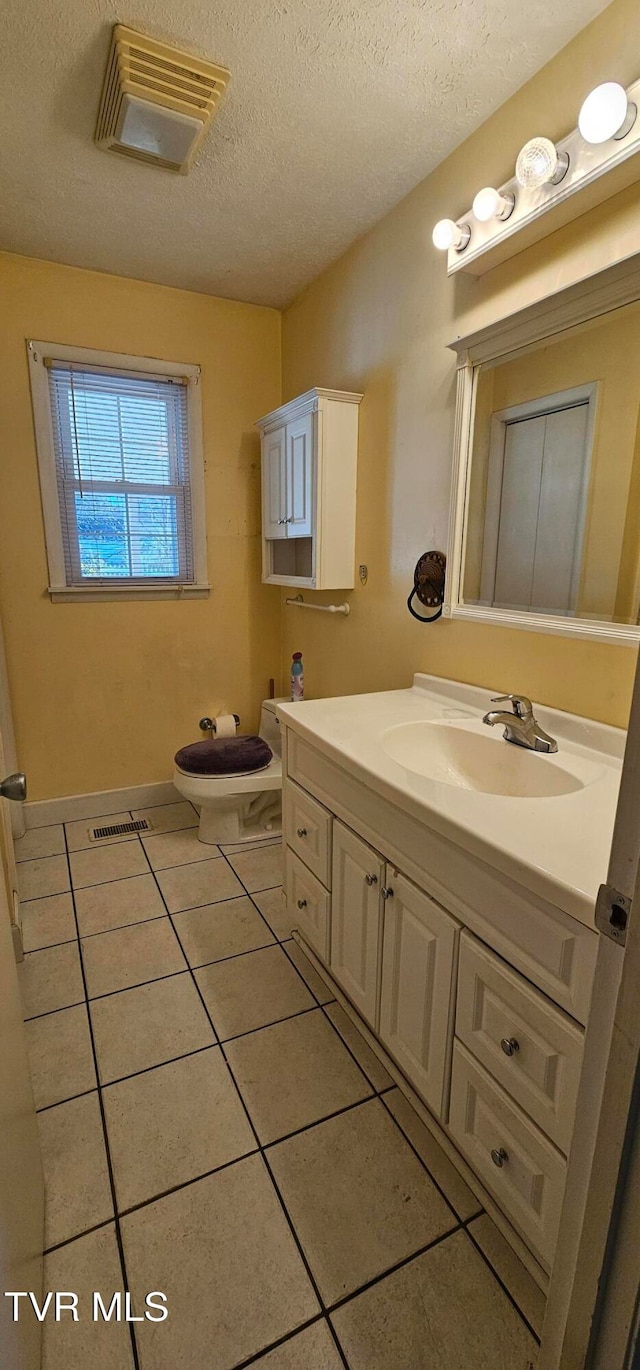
pixel 520 726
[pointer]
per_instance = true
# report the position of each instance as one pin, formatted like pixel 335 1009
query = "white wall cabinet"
pixel 309 469
pixel 358 873
pixel 418 963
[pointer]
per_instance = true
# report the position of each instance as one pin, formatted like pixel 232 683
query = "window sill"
pixel 60 594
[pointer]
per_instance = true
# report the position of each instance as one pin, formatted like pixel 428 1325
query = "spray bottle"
pixel 297 677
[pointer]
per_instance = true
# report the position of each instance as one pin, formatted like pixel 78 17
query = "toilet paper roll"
pixel 225 725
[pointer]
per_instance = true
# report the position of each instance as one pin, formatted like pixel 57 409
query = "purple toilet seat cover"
pixel 225 756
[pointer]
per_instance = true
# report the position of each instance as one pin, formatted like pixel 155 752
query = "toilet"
pixel 239 807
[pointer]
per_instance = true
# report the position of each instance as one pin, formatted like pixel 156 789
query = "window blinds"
pixel 121 444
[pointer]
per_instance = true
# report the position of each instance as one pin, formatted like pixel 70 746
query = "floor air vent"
pixel 120 829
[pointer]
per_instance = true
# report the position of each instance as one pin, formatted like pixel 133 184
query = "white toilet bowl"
pixel 239 808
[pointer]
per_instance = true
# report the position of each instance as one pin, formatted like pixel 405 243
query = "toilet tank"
pixel 269 726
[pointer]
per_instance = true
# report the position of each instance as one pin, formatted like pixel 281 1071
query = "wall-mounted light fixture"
pixel 540 164
pixel 539 197
pixel 490 204
pixel 448 234
pixel 607 113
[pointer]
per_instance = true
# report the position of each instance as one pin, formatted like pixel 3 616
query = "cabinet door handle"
pixel 280 521
pixel 371 879
pixel 302 903
pixel 499 1156
pixel 510 1045
pixel 302 832
pixel 386 892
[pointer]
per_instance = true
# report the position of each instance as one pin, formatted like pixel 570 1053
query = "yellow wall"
pixel 103 694
pixel 378 321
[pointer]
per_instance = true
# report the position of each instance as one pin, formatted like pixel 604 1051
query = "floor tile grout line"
pixel 86 1232
pixel 118 1232
pixel 505 1288
pixel 68 1099
pixel 187 1184
pixel 145 1070
pixel 421 1159
pixel 281 1341
pixel 393 1269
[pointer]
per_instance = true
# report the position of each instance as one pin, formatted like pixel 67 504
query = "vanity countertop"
pixel 555 844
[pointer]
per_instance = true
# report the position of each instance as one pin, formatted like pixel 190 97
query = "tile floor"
pixel 214 1126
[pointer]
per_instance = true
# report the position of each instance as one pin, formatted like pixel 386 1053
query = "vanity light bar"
pixel 548 176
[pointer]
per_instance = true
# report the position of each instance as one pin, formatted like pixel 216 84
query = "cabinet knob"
pixel 386 892
pixel 499 1156
pixel 510 1045
pixel 371 879
pixel 302 903
pixel 280 521
pixel 302 832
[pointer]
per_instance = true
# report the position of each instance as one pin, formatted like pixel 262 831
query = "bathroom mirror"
pixel 545 529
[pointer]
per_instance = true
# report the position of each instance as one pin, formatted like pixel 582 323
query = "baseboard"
pixel 41 813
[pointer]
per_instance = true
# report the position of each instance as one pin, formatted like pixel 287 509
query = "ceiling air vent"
pixel 157 102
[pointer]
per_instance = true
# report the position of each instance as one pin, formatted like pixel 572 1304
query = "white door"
pixel 299 512
pixel 355 919
pixel 418 962
pixel 274 484
pixel 536 562
pixel 592 1308
pixel 21 1182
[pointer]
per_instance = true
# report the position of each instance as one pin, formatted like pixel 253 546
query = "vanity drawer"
pixel 509 1153
pixel 307 829
pixel 308 903
pixel 526 1043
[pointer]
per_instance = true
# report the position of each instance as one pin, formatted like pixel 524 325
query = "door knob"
pixel 14 787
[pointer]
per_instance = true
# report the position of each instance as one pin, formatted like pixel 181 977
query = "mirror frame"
pixel 591 299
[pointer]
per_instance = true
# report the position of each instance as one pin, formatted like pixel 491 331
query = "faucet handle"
pixel 522 707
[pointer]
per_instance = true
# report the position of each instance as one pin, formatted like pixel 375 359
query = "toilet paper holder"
pixel 208 725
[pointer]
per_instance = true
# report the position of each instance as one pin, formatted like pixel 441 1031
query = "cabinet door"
pixel 274 484
pixel 355 919
pixel 418 962
pixel 299 513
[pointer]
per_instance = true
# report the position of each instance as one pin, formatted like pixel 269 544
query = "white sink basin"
pixel 462 755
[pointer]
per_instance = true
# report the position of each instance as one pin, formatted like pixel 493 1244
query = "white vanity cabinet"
pixel 476 988
pixel 309 465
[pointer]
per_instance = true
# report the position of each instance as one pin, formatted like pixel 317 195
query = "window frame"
pixel 58 589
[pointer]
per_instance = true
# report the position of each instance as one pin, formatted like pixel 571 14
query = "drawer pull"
pixel 302 903
pixel 499 1156
pixel 510 1045
pixel 302 832
pixel 371 879
pixel 386 892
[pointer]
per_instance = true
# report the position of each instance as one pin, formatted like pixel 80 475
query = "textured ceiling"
pixel 335 110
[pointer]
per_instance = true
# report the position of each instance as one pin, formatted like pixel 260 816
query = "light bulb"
pixel 606 113
pixel 490 204
pixel 539 164
pixel 448 234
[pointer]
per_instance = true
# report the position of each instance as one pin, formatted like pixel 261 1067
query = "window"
pixel 121 471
